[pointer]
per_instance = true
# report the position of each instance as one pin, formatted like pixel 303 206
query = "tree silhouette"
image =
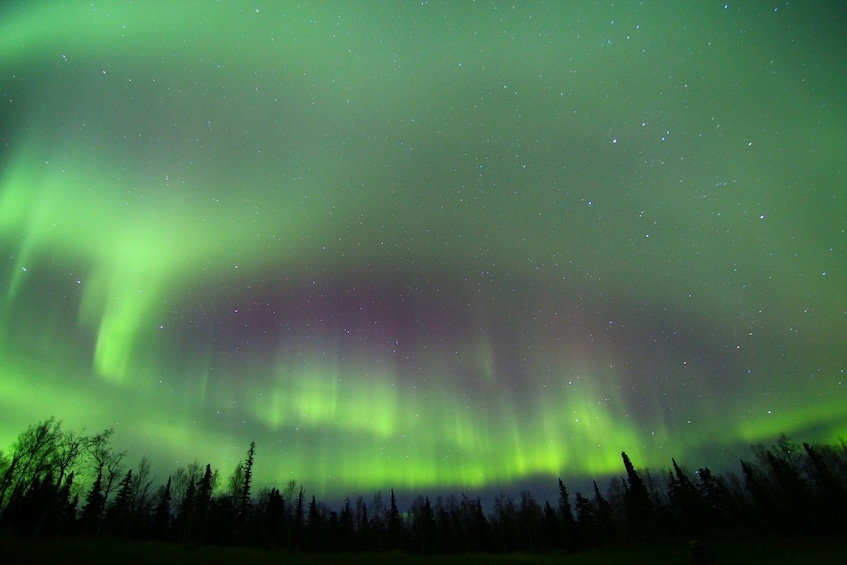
pixel 185 516
pixel 273 518
pixel 686 512
pixel 290 503
pixel 61 511
pixel 346 527
pixel 365 524
pixel 586 519
pixel 296 526
pixel 605 517
pixel 378 522
pixel 780 488
pixel 395 528
pixel 785 489
pixel 569 534
pixel 95 502
pixel 42 457
pixel 504 522
pixel 423 526
pixel 118 517
pixel 30 460
pixel 243 496
pixel 143 500
pixel 639 510
pixel 763 503
pixel 314 525
pixel 530 518
pixel 202 505
pixel 181 478
pixel 830 493
pixel 446 524
pixel 716 500
pixel 108 467
pixel 162 514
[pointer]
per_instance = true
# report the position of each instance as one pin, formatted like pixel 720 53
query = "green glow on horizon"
pixel 423 246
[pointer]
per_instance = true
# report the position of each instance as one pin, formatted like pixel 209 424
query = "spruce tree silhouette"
pixel 162 514
pixel 786 490
pixel 569 534
pixel 639 511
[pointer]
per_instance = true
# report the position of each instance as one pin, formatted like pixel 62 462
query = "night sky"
pixel 424 245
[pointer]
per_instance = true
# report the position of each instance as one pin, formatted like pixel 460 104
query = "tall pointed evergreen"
pixel 346 526
pixel 299 515
pixel 185 517
pixel 314 525
pixel 394 525
pixel 570 537
pixel 715 499
pixel 244 500
pixel 119 514
pixel 686 503
pixel 586 519
pixel 605 516
pixel 639 507
pixel 92 511
pixel 162 514
pixel 203 503
pixel 274 518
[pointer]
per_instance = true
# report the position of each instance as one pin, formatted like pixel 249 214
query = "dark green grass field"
pixel 816 551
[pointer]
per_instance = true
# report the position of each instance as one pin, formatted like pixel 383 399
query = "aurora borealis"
pixel 424 244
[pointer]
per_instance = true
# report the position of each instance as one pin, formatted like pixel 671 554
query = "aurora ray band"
pixel 423 245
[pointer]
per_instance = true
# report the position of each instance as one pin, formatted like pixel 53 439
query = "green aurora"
pixel 424 245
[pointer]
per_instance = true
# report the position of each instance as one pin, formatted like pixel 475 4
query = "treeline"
pixel 782 488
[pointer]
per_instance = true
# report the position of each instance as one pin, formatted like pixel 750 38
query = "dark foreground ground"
pixel 816 551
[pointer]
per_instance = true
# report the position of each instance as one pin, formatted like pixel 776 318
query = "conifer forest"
pixel 56 482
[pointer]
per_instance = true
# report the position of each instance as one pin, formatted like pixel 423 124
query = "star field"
pixel 424 245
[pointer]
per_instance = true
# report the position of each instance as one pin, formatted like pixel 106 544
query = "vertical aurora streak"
pixel 424 245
